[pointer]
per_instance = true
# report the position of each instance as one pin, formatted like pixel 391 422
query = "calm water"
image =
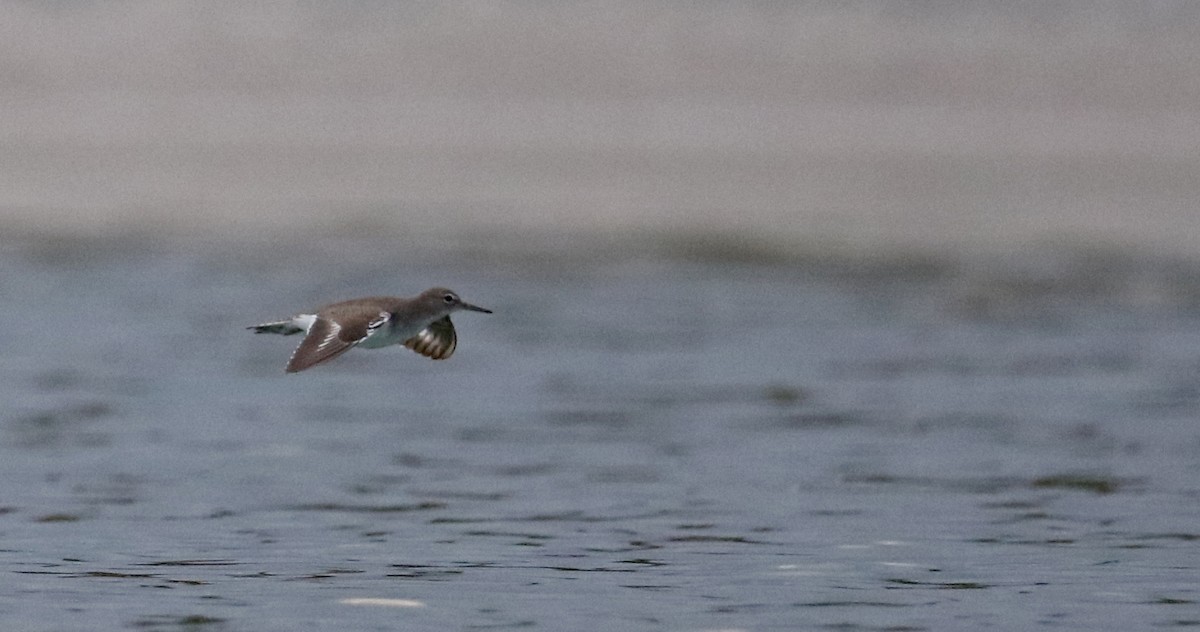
pixel 628 443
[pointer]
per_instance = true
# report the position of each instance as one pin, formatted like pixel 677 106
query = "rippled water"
pixel 630 443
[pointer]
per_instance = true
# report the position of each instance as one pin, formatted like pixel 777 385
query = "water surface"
pixel 643 443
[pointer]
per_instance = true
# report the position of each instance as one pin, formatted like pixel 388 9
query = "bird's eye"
pixel 449 298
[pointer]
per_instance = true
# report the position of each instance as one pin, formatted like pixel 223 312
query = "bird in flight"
pixel 421 324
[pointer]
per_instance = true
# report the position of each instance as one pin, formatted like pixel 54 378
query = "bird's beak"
pixel 473 308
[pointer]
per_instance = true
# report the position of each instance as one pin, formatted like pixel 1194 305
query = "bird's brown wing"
pixel 326 340
pixel 437 341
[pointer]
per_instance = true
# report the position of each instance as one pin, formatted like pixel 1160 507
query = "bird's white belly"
pixel 388 335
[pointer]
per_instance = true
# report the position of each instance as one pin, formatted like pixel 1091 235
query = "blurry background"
pixel 860 125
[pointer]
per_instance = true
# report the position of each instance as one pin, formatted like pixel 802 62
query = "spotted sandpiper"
pixel 421 324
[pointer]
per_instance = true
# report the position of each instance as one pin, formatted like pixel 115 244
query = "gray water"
pixel 637 443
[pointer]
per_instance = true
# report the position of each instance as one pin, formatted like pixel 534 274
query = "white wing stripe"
pixel 334 328
pixel 379 321
pixel 375 327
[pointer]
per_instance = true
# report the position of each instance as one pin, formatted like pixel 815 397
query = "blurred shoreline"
pixel 917 129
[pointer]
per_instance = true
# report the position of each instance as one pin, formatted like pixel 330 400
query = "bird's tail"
pixel 283 327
